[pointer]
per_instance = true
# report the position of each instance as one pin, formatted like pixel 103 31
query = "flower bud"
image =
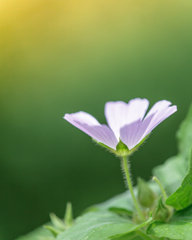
pixel 145 196
pixel 161 212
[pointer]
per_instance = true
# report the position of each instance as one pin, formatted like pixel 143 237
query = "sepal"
pixel 68 219
pixel 57 222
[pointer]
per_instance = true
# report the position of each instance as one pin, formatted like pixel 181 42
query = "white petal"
pixel 88 124
pixel 160 111
pixel 132 134
pixel 119 114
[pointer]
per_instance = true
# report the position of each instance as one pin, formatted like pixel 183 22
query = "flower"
pixel 128 123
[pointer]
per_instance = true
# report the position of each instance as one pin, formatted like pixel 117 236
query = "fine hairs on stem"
pixel 127 174
pixel 124 175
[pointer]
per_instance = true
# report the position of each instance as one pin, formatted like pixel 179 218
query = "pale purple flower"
pixel 126 121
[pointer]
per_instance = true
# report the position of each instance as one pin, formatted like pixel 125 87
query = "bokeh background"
pixel 63 56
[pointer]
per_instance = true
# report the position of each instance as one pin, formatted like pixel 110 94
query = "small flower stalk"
pixel 161 187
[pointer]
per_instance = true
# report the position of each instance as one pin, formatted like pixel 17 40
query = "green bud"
pixel 161 212
pixel 145 196
pixel 122 149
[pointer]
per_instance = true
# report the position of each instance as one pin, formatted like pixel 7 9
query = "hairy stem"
pixel 125 165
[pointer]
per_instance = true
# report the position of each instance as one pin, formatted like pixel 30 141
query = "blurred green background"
pixel 60 57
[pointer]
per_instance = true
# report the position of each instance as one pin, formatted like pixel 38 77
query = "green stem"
pixel 125 165
pixel 161 187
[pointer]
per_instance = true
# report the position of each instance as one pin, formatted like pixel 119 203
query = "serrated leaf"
pixel 98 225
pixel 179 227
pixel 182 197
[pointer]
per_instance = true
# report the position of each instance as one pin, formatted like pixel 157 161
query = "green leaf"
pixel 124 200
pixel 136 235
pixel 131 235
pixel 53 230
pixel 90 209
pixel 45 238
pixel 178 164
pixel 171 180
pixel 182 197
pixel 184 135
pixel 121 211
pixel 116 237
pixel 179 226
pixel 99 225
pixel 37 234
